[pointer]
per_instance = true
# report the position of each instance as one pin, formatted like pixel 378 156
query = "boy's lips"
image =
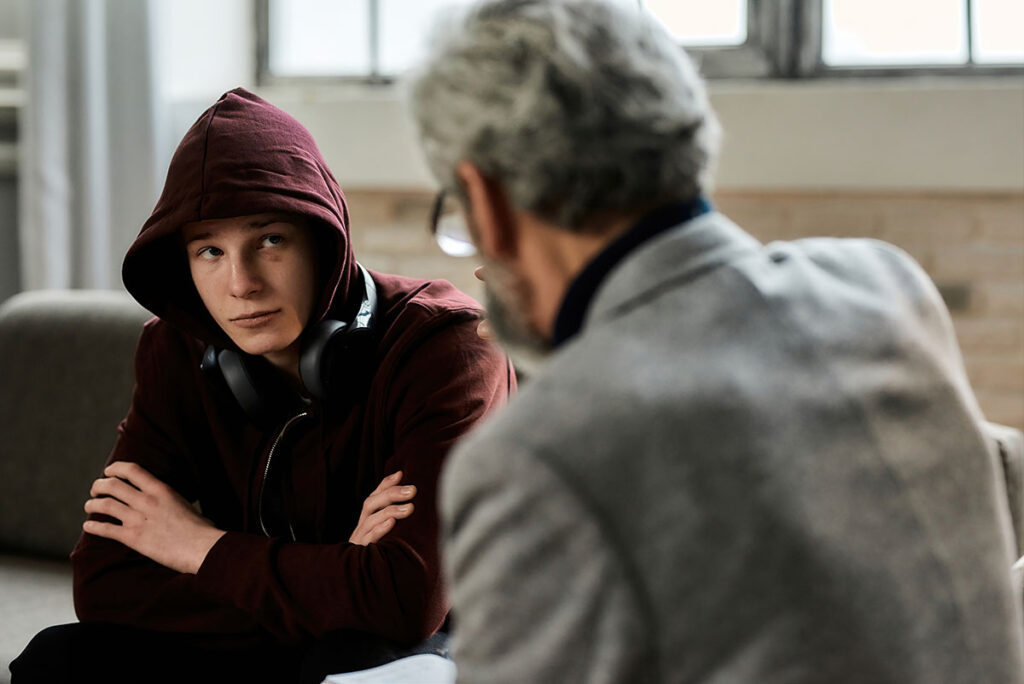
pixel 255 319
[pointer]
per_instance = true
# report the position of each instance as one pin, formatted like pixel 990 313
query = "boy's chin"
pixel 259 347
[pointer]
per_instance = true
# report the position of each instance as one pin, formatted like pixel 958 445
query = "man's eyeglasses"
pixel 448 226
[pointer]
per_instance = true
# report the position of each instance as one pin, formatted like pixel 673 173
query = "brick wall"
pixel 971 244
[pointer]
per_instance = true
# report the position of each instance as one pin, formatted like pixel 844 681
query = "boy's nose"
pixel 245 280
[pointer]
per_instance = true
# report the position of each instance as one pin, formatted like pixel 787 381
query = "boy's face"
pixel 256 275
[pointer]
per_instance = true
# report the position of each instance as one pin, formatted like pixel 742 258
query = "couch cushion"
pixel 66 375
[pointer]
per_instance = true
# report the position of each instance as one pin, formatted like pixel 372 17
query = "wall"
pixel 957 134
pixel 971 243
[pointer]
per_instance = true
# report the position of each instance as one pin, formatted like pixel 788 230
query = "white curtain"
pixel 89 156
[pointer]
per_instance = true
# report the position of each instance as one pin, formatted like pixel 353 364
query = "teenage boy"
pixel 269 506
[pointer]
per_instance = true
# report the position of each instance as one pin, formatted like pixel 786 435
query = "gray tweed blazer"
pixel 754 464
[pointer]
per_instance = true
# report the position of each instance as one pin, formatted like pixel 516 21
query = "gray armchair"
pixel 66 375
pixel 1009 443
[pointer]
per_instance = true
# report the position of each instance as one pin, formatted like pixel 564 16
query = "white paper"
pixel 426 668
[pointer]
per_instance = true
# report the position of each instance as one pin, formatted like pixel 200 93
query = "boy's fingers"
pixel 394 494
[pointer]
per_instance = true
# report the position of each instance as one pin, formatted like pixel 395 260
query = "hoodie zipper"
pixel 266 471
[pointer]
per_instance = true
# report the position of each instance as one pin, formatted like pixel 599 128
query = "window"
pixel 700 23
pixel 852 34
pixel 997 31
pixel 403 28
pixel 370 40
pixel 318 38
pixel 374 40
pixel 920 35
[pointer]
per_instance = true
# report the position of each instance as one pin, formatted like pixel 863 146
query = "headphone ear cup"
pixel 323 353
pixel 240 380
pixel 335 353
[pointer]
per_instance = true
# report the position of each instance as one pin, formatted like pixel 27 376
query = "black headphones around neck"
pixel 334 357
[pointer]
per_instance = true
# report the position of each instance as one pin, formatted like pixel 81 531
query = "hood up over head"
pixel 243 156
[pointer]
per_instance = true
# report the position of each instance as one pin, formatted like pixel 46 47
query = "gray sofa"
pixel 66 374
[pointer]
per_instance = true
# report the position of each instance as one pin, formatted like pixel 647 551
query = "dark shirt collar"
pixel 582 289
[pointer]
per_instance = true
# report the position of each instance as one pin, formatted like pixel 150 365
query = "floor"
pixel 34 594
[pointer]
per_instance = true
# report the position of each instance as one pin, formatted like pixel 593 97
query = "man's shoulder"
pixel 837 252
pixel 852 258
pixel 852 277
pixel 752 276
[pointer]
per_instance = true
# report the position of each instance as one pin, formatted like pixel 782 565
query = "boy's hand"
pixel 155 520
pixel 380 512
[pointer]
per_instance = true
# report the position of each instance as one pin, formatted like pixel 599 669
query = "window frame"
pixel 762 55
pixel 784 42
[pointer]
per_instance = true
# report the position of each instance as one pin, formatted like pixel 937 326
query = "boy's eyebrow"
pixel 255 223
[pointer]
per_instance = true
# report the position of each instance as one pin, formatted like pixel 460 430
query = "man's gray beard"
pixel 527 348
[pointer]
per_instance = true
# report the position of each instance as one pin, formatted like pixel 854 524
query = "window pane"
pixel 698 22
pixel 319 38
pixel 404 29
pixel 894 32
pixel 998 31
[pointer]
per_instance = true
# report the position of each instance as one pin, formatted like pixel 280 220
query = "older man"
pixel 741 462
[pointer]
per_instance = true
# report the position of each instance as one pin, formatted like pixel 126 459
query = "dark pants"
pixel 96 652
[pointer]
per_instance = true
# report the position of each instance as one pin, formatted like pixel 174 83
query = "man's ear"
pixel 490 213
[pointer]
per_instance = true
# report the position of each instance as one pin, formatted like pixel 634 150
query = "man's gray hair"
pixel 577 107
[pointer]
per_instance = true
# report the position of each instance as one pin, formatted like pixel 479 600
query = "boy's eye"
pixel 208 253
pixel 271 240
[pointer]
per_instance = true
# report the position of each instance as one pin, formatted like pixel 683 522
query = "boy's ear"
pixel 492 219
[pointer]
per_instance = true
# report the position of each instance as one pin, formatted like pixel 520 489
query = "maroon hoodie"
pixel 431 380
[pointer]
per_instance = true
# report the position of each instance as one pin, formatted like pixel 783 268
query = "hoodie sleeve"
pixel 113 583
pixel 393 588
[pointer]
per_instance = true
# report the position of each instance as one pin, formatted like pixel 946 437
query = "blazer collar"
pixel 581 290
pixel 669 259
